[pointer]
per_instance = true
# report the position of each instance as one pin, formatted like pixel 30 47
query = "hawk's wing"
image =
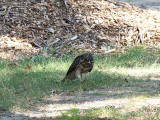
pixel 75 63
pixel 80 60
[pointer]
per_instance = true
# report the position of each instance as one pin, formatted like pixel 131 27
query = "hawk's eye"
pixel 89 62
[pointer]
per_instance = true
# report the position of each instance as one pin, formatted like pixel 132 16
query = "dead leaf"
pixel 100 53
pixel 126 80
pixel 28 68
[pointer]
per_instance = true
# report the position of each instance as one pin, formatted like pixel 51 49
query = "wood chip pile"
pixel 65 25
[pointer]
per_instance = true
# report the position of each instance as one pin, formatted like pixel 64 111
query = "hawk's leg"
pixel 82 76
pixel 78 74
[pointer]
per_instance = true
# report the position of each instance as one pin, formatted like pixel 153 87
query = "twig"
pixel 119 35
pixel 68 20
pixel 38 28
pixel 66 6
pixel 33 34
pixel 4 19
pixel 111 9
pixel 112 15
pixel 35 44
pixel 115 3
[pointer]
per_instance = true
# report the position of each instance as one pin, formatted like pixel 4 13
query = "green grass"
pixel 110 112
pixel 21 90
pixel 135 57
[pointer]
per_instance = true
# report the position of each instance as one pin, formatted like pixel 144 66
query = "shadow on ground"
pixel 99 89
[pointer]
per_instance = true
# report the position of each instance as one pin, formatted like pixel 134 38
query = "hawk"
pixel 80 67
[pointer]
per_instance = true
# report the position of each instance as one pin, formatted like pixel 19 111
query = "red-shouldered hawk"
pixel 80 66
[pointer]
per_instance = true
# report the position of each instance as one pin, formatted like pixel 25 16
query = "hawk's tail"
pixel 64 79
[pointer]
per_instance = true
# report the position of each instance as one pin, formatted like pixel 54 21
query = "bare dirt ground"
pixel 118 97
pixel 57 103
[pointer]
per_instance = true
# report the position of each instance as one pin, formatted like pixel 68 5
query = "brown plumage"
pixel 80 66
